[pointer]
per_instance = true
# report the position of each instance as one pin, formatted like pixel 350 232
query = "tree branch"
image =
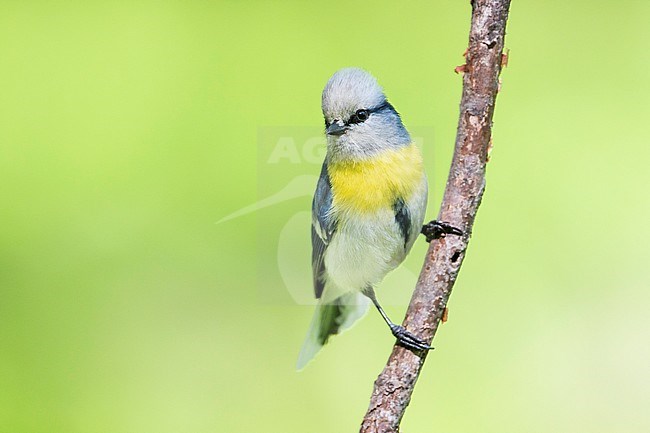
pixel 465 186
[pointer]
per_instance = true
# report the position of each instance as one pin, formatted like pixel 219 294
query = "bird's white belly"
pixel 364 249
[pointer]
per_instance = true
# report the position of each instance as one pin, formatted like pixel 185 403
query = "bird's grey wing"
pixel 409 215
pixel 323 227
pixel 403 219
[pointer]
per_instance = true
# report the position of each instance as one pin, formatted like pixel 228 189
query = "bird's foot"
pixel 439 229
pixel 408 340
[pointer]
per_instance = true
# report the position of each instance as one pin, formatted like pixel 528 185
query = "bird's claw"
pixel 439 229
pixel 408 340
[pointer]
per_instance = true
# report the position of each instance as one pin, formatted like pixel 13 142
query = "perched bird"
pixel 368 207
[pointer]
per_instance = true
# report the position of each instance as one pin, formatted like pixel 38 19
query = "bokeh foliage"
pixel 128 128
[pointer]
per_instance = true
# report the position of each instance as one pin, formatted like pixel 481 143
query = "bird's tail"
pixel 331 318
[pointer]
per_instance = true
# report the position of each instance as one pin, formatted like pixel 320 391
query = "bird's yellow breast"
pixel 369 185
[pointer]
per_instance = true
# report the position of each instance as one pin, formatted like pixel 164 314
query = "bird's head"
pixel 359 121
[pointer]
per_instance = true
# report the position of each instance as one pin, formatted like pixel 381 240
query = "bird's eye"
pixel 359 116
pixel 362 115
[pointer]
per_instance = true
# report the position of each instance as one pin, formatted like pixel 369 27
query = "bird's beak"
pixel 337 128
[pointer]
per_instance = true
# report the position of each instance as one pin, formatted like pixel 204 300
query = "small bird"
pixel 367 210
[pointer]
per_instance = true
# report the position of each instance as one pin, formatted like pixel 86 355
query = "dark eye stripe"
pixel 354 119
pixel 363 114
pixel 383 106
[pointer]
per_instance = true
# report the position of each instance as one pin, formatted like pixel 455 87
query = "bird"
pixel 368 208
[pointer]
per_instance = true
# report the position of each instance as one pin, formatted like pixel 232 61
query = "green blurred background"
pixel 127 129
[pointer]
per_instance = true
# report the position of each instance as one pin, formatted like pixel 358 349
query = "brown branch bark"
pixel 465 186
